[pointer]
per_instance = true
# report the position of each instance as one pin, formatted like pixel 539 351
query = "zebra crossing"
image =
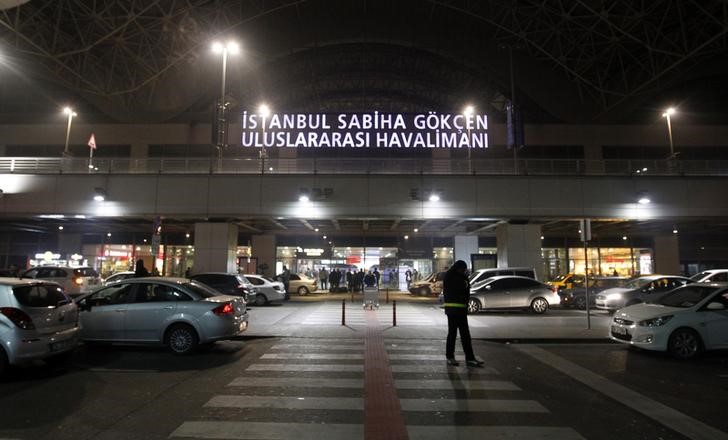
pixel 312 389
pixel 329 314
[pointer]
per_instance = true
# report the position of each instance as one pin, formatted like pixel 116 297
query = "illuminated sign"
pixel 313 252
pixel 47 256
pixel 365 130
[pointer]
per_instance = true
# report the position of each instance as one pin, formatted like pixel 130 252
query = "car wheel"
pixel 685 343
pixel 473 306
pixel 3 362
pixel 260 300
pixel 580 303
pixel 303 290
pixel 181 339
pixel 539 306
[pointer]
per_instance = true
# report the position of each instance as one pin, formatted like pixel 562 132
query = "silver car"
pixel 512 292
pixel 37 321
pixel 268 290
pixel 118 276
pixel 175 312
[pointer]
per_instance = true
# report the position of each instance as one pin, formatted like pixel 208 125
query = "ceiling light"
pixel 60 228
pixel 99 194
pixel 416 230
pixel 406 237
pixel 434 197
pixel 303 198
pixel 624 237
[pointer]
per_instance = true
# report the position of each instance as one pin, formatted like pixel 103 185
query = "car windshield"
pixel 200 289
pixel 699 276
pixel 637 283
pixel 686 297
pixel 269 279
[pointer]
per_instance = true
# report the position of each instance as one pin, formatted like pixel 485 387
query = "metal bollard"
pixel 394 313
pixel 343 312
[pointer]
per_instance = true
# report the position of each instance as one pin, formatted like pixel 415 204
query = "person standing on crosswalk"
pixel 456 289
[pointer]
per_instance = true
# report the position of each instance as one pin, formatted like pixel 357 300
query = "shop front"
pixel 599 261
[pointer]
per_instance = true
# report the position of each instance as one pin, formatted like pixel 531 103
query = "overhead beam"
pixel 277 223
pixel 248 227
pixel 336 224
pixel 307 224
pixel 395 224
pixel 488 227
pixel 365 225
pixel 454 225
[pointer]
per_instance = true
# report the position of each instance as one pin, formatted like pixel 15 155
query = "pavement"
pixel 371 381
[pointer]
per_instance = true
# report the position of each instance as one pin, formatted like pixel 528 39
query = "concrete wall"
pixel 196 196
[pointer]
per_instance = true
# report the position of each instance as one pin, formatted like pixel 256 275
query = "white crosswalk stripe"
pixel 268 385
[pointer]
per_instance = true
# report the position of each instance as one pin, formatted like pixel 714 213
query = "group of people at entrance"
pixel 339 280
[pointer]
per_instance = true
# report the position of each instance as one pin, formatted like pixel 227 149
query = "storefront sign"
pixel 313 252
pixel 365 130
pixel 353 259
pixel 47 256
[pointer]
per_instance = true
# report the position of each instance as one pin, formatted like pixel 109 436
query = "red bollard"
pixel 394 313
pixel 343 312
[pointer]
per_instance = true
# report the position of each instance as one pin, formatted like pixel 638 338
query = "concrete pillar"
pixel 464 246
pixel 520 246
pixel 667 255
pixel 264 250
pixel 216 247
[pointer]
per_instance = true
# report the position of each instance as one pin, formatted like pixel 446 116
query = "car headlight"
pixel 655 322
pixel 613 296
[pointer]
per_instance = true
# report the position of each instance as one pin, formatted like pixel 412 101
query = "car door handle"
pixel 120 310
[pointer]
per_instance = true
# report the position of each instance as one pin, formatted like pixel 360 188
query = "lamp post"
pixel 467 112
pixel 231 48
pixel 669 112
pixel 71 114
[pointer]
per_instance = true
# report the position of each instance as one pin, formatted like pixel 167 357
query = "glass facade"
pixel 602 261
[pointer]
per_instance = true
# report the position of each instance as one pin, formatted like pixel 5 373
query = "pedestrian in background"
pixel 140 271
pixel 350 280
pixel 377 275
pixel 323 277
pixel 456 289
pixel 286 278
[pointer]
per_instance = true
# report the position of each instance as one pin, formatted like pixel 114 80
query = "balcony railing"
pixel 377 166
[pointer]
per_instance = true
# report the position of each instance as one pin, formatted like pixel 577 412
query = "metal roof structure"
pixel 574 61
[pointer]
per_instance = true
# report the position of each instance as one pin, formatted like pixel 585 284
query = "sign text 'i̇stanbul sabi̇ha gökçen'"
pixel 365 130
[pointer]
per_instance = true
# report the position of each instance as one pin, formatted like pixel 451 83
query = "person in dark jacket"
pixel 456 290
pixel 140 271
pixel 370 280
pixel 350 280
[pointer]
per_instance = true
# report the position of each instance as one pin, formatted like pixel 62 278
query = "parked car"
pixel 75 280
pixel 711 276
pixel 228 284
pixel 684 322
pixel 267 290
pixel 568 281
pixel 175 312
pixel 512 292
pixel 118 276
pixel 37 321
pixel 483 274
pixel 431 285
pixel 637 290
pixel 576 296
pixel 301 284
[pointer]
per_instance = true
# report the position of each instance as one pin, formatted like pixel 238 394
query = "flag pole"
pixel 91 147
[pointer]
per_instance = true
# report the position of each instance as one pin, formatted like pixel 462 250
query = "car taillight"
pixel 18 317
pixel 78 281
pixel 226 309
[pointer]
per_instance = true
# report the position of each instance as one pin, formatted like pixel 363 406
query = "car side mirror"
pixel 715 306
pixel 84 306
pixel 488 287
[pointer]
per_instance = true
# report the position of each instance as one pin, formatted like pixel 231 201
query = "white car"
pixel 118 276
pixel 75 281
pixel 268 290
pixel 711 276
pixel 684 322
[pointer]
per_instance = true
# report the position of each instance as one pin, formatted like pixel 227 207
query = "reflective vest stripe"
pixel 456 305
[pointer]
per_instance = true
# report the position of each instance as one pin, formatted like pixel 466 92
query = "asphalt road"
pixel 313 387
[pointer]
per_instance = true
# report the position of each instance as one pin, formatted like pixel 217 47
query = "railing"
pixel 383 166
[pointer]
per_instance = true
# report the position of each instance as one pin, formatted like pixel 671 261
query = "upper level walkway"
pixel 364 166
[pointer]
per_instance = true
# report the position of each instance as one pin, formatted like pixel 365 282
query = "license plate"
pixel 619 330
pixel 60 345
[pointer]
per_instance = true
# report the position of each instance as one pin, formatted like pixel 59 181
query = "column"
pixel 667 255
pixel 264 250
pixel 520 246
pixel 216 247
pixel 464 246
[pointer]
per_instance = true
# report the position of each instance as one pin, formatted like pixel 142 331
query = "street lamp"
pixel 669 112
pixel 231 48
pixel 71 114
